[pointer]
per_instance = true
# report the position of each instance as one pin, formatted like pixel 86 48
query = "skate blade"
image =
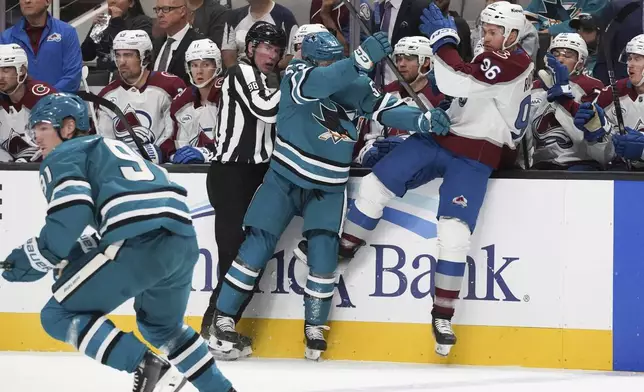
pixel 300 256
pixel 443 349
pixel 172 381
pixel 226 351
pixel 313 355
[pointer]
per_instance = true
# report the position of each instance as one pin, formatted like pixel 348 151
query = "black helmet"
pixel 267 33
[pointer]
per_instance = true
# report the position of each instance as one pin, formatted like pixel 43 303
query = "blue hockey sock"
pixel 189 353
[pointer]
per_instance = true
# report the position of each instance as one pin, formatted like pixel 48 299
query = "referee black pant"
pixel 231 187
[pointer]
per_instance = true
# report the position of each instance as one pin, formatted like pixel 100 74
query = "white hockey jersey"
pixel 632 112
pixel 558 145
pixel 491 108
pixel 14 122
pixel 147 110
pixel 195 123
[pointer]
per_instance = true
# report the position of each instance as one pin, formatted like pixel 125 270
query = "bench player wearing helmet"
pixel 555 142
pixel 147 251
pixel 321 94
pixel 144 97
pixel 194 111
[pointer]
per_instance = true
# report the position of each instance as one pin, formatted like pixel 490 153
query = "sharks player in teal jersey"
pixel 147 251
pixel 309 169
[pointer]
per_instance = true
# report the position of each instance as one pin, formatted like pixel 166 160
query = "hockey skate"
pixel 445 338
pixel 225 342
pixel 155 374
pixel 315 342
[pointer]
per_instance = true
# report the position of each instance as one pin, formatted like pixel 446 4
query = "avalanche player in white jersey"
pixel 413 61
pixel 560 145
pixel 194 111
pixel 19 94
pixel 142 95
pixel 489 114
pixel 591 119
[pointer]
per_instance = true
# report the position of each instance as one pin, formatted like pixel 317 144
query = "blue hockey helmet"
pixel 55 108
pixel 322 46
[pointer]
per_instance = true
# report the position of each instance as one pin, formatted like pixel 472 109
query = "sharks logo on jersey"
pixel 331 119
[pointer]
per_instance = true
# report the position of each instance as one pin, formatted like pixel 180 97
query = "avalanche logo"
pixel 460 201
pixel 141 123
pixel 396 213
pixel 548 131
pixel 331 120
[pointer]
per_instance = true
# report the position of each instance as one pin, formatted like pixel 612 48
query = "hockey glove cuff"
pixel 189 154
pixel 590 119
pixel 372 50
pixel 153 151
pixel 629 146
pixel 29 262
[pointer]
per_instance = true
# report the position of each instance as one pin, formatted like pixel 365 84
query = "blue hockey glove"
pixel 629 146
pixel 561 79
pixel 372 50
pixel 590 119
pixel 28 264
pixel 379 149
pixel 189 154
pixel 153 151
pixel 439 29
pixel 435 121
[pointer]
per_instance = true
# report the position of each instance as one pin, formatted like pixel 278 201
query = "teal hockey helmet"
pixel 322 46
pixel 55 108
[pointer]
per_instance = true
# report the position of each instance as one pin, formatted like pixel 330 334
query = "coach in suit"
pixel 397 18
pixel 170 49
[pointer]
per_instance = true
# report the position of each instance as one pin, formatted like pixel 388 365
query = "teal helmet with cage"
pixel 322 46
pixel 55 108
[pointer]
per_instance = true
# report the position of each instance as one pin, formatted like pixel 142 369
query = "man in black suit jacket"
pixel 170 50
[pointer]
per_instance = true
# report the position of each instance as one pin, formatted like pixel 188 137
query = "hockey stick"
pixel 111 106
pixel 84 74
pixel 606 40
pixel 5 265
pixel 365 29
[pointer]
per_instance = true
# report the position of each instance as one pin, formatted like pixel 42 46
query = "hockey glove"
pixel 29 263
pixel 439 29
pixel 189 154
pixel 372 50
pixel 153 151
pixel 379 149
pixel 590 119
pixel 629 146
pixel 435 121
pixel 561 80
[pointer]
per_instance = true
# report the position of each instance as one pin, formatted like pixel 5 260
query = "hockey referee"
pixel 244 142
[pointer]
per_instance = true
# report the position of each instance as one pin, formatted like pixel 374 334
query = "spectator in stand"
pixel 170 49
pixel 397 18
pixel 19 94
pixel 208 18
pixel 629 29
pixel 333 15
pixel 528 37
pixel 462 28
pixel 587 26
pixel 240 21
pixel 124 15
pixel 52 46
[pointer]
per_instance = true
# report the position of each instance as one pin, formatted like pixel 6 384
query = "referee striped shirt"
pixel 247 116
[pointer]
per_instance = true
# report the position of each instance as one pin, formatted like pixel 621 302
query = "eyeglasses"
pixel 165 10
pixel 566 53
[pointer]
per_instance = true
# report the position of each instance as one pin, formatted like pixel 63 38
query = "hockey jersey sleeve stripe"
pixel 312 159
pixel 297 80
pixel 76 184
pixel 306 174
pixel 67 201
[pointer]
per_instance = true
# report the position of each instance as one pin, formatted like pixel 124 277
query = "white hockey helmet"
pixel 307 29
pixel 12 55
pixel 134 40
pixel 572 41
pixel 203 49
pixel 415 46
pixel 509 16
pixel 634 46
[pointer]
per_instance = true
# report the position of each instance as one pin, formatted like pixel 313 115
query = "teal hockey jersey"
pixel 102 183
pixel 315 128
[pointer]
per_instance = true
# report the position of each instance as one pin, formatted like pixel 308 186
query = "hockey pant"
pixel 417 161
pixel 231 187
pixel 276 202
pixel 155 269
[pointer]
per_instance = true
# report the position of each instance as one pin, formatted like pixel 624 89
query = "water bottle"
pixel 99 28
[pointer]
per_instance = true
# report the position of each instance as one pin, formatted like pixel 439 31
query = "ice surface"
pixel 26 372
